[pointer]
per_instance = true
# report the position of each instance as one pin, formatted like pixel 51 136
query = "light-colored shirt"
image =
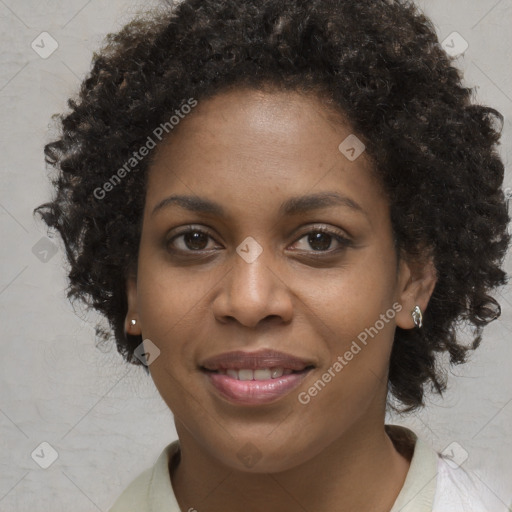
pixel 433 483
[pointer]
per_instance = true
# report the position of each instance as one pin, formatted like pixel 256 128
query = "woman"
pixel 284 209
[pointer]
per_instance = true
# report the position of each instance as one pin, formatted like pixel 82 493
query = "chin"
pixel 259 455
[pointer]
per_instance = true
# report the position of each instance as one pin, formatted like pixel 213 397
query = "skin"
pixel 250 151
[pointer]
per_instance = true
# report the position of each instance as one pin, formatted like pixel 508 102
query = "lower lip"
pixel 255 392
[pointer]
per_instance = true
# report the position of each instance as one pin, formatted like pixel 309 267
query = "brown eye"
pixel 321 239
pixel 192 240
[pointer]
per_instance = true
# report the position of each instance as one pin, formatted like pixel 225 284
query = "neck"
pixel 361 470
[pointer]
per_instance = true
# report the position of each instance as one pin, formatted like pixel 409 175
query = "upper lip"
pixel 253 360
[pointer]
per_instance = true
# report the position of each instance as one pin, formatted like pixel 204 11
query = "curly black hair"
pixel 376 62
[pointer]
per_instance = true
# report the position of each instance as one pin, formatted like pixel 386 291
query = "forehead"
pixel 260 122
pixel 254 146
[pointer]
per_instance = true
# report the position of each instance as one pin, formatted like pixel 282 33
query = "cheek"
pixel 358 314
pixel 354 298
pixel 170 304
pixel 353 378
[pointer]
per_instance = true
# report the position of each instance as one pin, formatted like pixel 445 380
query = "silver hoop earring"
pixel 417 317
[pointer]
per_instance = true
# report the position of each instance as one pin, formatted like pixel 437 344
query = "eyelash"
pixel 342 240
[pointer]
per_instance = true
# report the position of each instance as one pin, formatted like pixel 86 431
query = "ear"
pixel 132 314
pixel 417 278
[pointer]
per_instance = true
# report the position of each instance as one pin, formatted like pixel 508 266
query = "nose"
pixel 253 292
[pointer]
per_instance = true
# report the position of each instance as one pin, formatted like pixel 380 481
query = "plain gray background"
pixel 105 420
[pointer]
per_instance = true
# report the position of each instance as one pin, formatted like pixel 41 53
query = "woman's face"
pixel 255 274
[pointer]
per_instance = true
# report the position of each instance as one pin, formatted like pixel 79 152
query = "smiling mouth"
pixel 260 374
pixel 248 387
pixel 254 378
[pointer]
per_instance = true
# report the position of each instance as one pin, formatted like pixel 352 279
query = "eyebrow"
pixel 292 206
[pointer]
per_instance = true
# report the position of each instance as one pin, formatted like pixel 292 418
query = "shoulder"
pixel 458 490
pixel 136 495
pixel 152 489
pixel 435 483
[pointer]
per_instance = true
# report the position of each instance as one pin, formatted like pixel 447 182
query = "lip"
pixel 254 392
pixel 266 358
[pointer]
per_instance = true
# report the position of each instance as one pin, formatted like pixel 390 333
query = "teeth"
pixel 232 373
pixel 245 374
pixel 276 372
pixel 258 374
pixel 262 374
